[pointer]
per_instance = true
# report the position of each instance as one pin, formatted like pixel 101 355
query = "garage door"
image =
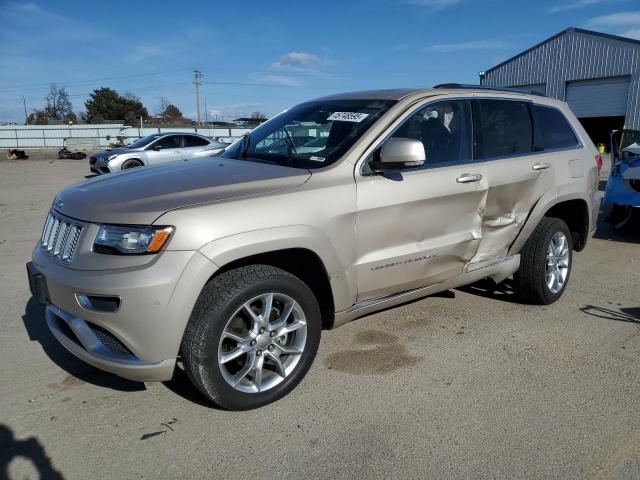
pixel 602 97
pixel 539 88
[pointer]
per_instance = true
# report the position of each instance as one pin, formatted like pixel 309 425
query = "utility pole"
pixel 26 117
pixel 197 81
pixel 206 116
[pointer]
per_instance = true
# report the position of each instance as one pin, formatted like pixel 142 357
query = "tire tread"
pixel 529 279
pixel 215 295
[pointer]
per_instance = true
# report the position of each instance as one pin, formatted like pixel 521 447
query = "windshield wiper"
pixel 292 147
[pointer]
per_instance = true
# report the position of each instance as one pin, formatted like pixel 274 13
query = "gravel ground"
pixel 469 384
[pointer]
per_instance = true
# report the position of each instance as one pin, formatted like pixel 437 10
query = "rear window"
pixel 503 128
pixel 193 141
pixel 552 129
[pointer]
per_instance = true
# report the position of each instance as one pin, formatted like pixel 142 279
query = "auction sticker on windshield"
pixel 348 116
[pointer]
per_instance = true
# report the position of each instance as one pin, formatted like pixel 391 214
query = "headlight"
pixel 112 157
pixel 131 240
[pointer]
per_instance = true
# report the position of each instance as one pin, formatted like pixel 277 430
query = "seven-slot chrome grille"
pixel 60 237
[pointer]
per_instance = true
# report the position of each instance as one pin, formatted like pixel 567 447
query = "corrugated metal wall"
pixel 53 136
pixel 572 56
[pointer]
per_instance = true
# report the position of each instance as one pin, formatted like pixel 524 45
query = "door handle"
pixel 541 166
pixel 469 178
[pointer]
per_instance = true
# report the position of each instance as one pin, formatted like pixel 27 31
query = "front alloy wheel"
pixel 252 336
pixel 262 342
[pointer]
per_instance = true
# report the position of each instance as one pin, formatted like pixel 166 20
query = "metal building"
pixel 597 74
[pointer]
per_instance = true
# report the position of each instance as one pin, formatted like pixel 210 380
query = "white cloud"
pixel 234 110
pixel 436 4
pixel 144 52
pixel 400 47
pixel 635 34
pixel 622 19
pixel 298 62
pixel 275 79
pixel 475 45
pixel 577 4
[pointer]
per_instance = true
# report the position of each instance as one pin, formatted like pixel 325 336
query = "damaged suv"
pixel 230 269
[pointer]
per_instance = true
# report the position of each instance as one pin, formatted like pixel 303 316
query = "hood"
pixel 141 195
pixel 112 151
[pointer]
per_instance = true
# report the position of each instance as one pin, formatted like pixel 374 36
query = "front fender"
pixel 236 247
pixel 115 165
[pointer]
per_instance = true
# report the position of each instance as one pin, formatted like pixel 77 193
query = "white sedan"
pixel 154 149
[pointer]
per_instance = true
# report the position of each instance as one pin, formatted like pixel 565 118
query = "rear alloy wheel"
pixel 545 263
pixel 557 262
pixel 252 336
pixel 131 163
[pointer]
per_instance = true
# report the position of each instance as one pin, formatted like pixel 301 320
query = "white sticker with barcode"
pixel 347 117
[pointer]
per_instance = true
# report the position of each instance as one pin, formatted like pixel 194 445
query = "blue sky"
pixel 266 56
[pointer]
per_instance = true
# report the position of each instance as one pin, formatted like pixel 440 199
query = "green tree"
pixel 107 104
pixel 172 112
pixel 168 111
pixel 38 117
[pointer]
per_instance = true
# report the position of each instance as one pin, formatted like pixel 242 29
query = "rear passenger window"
pixel 193 141
pixel 502 128
pixel 552 129
pixel 444 128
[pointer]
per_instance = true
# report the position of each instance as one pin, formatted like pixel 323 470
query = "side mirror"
pixel 400 153
pixel 156 148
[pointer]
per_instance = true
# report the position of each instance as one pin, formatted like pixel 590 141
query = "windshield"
pixel 143 142
pixel 310 135
pixel 625 146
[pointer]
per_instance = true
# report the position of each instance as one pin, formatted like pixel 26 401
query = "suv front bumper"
pixel 140 339
pixel 80 339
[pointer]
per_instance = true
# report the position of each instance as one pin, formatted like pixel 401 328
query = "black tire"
pixel 131 163
pixel 220 298
pixel 530 279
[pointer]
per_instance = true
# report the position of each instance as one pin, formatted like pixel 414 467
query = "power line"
pixel 95 80
pixel 144 87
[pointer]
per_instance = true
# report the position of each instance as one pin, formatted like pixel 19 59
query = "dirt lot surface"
pixel 469 384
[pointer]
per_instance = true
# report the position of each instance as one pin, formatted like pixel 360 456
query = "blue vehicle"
pixel 622 197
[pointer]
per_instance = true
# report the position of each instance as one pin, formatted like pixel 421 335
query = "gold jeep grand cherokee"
pixel 231 267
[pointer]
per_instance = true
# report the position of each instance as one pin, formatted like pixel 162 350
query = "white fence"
pixel 53 136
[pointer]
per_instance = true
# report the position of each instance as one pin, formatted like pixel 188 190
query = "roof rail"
pixel 487 87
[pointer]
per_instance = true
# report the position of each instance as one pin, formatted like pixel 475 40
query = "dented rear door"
pixel 517 174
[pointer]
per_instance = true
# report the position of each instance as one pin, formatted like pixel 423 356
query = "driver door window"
pixel 445 130
pixel 172 141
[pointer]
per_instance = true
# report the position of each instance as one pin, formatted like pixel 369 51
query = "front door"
pixel 166 149
pixel 420 227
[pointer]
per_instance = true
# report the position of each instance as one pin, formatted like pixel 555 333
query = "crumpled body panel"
pixel 620 186
pixel 514 188
pixel 416 228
